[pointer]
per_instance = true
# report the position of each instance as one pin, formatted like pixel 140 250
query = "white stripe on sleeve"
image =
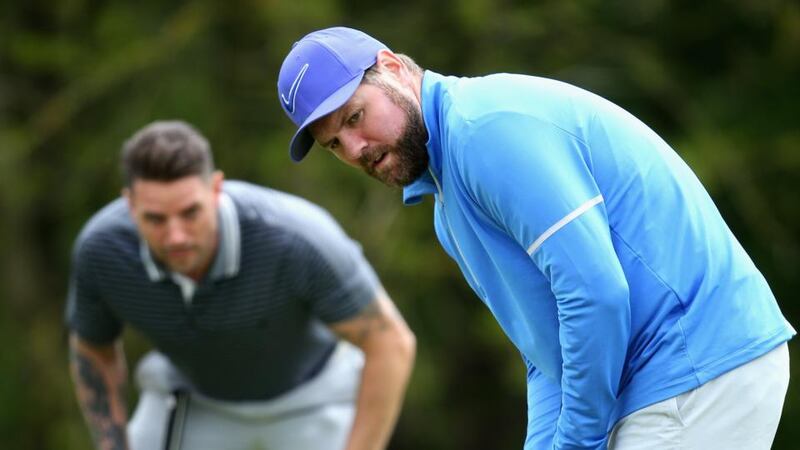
pixel 560 224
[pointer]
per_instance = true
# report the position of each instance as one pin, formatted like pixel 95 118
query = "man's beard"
pixel 410 151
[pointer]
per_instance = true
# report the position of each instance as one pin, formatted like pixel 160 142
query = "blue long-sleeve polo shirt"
pixel 594 245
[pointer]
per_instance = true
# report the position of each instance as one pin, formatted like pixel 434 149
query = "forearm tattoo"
pixel 95 401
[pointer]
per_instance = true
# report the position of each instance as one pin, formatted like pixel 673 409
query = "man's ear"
pixel 127 194
pixel 217 178
pixel 388 61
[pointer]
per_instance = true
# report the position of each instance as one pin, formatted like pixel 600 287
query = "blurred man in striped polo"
pixel 271 329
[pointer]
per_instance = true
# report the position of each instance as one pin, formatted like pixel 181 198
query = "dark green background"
pixel 717 79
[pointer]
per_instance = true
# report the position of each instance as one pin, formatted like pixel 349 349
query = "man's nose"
pixel 353 145
pixel 176 232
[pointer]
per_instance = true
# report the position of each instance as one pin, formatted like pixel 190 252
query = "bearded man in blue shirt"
pixel 642 321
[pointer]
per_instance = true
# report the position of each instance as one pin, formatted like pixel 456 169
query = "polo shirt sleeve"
pixel 87 314
pixel 534 180
pixel 334 275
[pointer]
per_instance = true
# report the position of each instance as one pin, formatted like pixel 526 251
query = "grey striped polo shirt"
pixel 254 326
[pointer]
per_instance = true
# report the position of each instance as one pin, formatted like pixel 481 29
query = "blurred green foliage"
pixel 718 79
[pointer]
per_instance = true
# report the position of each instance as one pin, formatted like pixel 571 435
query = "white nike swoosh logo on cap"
pixel 289 102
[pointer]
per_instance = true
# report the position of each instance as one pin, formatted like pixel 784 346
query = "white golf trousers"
pixel 739 410
pixel 316 415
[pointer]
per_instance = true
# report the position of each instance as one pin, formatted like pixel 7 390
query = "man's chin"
pixel 182 268
pixel 405 180
pixel 399 176
pixel 392 183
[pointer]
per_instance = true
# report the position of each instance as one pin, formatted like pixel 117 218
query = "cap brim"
pixel 302 141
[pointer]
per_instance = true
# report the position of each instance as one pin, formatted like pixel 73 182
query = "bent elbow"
pixel 407 343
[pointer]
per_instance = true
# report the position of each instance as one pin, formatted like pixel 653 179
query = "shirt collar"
pixel 432 96
pixel 226 261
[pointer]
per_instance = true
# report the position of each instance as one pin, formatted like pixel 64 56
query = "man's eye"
pixel 154 220
pixel 191 214
pixel 354 118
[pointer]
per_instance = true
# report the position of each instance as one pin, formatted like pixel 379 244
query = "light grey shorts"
pixel 737 410
pixel 316 415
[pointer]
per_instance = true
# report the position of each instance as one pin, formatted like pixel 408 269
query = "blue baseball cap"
pixel 320 73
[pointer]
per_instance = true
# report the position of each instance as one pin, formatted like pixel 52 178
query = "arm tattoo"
pixel 95 401
pixel 371 318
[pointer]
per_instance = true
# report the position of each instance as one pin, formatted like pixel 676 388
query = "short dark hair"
pixel 166 150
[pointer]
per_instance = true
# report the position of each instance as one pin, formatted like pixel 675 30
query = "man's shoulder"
pixel 522 107
pixel 108 228
pixel 500 93
pixel 271 206
pixel 269 210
